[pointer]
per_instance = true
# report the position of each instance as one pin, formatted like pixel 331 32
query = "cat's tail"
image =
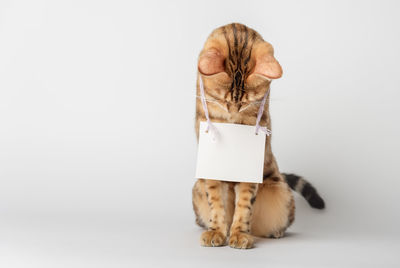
pixel 305 188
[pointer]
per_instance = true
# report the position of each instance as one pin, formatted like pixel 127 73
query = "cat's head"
pixel 237 65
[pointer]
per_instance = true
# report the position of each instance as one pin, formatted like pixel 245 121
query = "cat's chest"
pixel 233 114
pixel 236 117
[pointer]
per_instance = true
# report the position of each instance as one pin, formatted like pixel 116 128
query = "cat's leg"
pixel 240 236
pixel 209 202
pixel 202 208
pixel 200 203
pixel 273 209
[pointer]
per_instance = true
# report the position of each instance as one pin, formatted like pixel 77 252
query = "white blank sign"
pixel 236 155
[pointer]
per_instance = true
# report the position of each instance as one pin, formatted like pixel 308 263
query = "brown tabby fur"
pixel 231 65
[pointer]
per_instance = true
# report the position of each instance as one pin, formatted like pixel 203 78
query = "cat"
pixel 237 66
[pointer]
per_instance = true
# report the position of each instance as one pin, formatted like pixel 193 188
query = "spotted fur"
pixel 237 66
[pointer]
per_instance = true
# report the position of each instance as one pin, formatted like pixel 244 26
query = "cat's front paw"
pixel 212 239
pixel 241 240
pixel 278 234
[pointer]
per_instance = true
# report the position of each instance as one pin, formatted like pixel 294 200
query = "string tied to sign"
pixel 213 130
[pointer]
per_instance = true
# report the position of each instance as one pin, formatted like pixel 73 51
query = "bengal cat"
pixel 237 67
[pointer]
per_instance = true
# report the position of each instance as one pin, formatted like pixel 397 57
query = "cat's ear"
pixel 265 63
pixel 211 61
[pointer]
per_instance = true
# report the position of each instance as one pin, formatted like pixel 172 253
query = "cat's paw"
pixel 241 240
pixel 212 239
pixel 277 234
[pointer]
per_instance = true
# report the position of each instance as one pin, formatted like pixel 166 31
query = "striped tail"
pixel 305 188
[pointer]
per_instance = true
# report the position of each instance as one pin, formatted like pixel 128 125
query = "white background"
pixel 97 143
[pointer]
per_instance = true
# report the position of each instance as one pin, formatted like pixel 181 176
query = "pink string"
pixel 210 127
pixel 259 115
